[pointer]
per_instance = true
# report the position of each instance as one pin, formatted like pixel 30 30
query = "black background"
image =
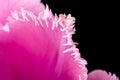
pixel 96 31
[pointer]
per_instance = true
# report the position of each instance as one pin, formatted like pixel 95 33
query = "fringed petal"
pixel 40 47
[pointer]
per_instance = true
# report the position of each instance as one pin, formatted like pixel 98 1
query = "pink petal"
pixel 39 47
pixel 101 75
pixel 8 6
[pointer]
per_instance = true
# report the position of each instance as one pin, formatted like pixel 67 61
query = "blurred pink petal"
pixel 36 45
pixel 101 75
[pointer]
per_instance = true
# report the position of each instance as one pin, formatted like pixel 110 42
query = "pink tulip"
pixel 101 75
pixel 36 45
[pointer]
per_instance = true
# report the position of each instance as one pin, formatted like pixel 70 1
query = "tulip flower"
pixel 101 75
pixel 37 45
